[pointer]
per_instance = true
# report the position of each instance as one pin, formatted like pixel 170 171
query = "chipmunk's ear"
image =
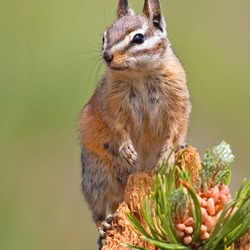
pixel 152 9
pixel 123 9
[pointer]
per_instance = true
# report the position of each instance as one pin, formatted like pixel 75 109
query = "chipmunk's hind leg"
pixel 95 185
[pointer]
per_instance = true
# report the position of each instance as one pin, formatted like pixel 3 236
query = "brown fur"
pixel 135 117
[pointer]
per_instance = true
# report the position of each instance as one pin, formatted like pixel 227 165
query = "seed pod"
pixel 180 226
pixel 215 193
pixel 189 230
pixel 224 190
pixel 204 214
pixel 210 206
pixel 209 223
pixel 189 221
pixel 202 201
pixel 222 201
pixel 180 233
pixel 187 240
pixel 203 229
pixel 205 235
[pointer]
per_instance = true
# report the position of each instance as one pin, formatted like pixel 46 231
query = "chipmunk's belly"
pixel 149 147
pixel 148 124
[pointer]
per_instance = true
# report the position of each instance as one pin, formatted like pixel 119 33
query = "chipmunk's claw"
pixel 183 146
pixel 105 226
pixel 128 153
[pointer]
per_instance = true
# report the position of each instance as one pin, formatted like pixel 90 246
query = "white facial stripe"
pixel 148 43
pixel 124 43
pixel 145 57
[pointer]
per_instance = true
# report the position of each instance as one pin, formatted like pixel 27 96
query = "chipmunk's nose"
pixel 108 57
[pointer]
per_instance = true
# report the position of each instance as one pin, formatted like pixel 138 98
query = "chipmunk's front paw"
pixel 128 152
pixel 105 226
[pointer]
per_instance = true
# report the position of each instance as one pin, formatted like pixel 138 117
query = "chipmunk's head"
pixel 135 42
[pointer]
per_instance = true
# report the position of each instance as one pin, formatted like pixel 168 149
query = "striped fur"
pixel 139 111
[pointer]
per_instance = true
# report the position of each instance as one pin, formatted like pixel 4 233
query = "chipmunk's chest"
pixel 146 104
pixel 147 124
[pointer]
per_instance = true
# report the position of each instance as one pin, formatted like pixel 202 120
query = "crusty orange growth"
pixel 134 194
pixel 192 160
pixel 138 186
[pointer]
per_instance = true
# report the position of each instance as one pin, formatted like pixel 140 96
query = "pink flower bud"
pixel 210 206
pixel 203 202
pixel 187 240
pixel 205 235
pixel 189 221
pixel 180 226
pixel 215 193
pixel 180 233
pixel 203 229
pixel 189 230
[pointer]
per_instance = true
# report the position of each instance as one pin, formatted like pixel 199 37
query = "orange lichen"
pixel 138 187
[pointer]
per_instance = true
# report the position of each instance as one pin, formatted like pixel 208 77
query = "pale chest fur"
pixel 144 107
pixel 148 121
pixel 140 101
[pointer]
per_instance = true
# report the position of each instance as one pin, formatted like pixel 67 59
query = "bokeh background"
pixel 49 65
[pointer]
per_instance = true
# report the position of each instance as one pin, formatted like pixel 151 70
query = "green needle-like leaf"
pixel 165 245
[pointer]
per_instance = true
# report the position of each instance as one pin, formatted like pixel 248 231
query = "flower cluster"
pixel 212 203
pixel 211 191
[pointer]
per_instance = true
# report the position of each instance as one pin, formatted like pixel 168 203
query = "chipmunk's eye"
pixel 103 40
pixel 138 39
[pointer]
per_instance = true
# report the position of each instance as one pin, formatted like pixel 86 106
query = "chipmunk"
pixel 139 110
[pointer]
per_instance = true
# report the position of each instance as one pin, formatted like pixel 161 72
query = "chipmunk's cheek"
pixel 119 60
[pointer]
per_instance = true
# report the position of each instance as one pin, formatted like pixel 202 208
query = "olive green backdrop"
pixel 49 65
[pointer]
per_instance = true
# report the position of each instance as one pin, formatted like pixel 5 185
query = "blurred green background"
pixel 49 55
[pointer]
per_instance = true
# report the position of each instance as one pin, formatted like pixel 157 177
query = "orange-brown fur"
pixel 133 120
